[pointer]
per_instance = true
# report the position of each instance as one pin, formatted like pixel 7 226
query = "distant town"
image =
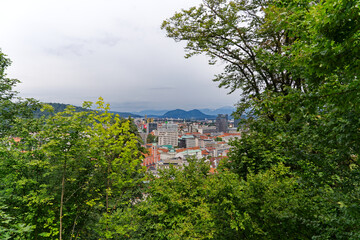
pixel 173 141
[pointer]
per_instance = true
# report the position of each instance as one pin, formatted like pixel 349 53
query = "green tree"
pixel 317 130
pixel 218 139
pixel 46 175
pixel 11 106
pixel 66 147
pixel 23 187
pixel 151 138
pixel 9 230
pixel 66 179
pixel 117 156
pixel 307 117
pixel 239 34
pixel 194 204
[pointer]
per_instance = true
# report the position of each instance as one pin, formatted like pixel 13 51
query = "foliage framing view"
pixel 294 174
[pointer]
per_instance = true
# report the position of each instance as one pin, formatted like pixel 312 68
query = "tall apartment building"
pixel 151 127
pixel 167 134
pixel 222 123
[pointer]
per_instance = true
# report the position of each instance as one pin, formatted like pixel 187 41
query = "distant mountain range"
pixel 151 112
pixel 176 114
pixel 212 112
pixel 223 110
pixel 182 114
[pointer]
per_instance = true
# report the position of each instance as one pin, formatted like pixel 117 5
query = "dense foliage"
pixel 65 176
pixel 11 106
pixel 297 64
pixel 56 108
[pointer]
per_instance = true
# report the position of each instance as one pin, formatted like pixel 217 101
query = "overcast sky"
pixel 70 51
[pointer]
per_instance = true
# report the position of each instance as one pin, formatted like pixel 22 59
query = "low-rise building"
pixel 152 157
pixel 188 141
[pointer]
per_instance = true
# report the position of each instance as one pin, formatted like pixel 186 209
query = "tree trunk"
pixel 107 195
pixel 62 199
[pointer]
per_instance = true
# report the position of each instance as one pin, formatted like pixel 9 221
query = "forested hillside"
pixel 294 174
pixel 56 108
pixel 60 107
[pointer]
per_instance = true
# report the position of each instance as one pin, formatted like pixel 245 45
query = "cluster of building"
pixel 173 142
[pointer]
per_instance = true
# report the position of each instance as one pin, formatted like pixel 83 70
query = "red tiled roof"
pixel 185 149
pixel 213 170
pixel 204 152
pixel 229 134
pixel 151 152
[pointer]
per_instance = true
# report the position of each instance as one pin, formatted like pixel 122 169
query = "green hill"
pixel 59 107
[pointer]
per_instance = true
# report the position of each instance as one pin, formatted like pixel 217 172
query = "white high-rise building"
pixel 167 134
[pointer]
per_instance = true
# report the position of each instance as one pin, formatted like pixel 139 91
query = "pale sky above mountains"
pixel 71 51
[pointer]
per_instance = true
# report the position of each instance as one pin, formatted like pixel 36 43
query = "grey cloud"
pixel 120 54
pixel 77 49
pixel 109 40
pixel 161 88
pixel 129 106
pixel 80 47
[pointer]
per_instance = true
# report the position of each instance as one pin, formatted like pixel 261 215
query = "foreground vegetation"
pixel 294 174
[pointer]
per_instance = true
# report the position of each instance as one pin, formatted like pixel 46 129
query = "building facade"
pixel 151 127
pixel 167 134
pixel 222 123
pixel 188 141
